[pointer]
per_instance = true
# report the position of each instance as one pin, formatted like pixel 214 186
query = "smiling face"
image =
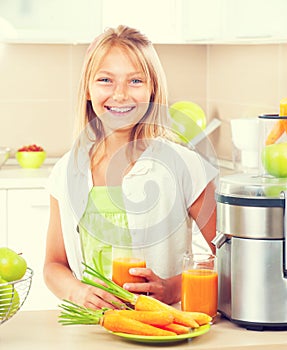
pixel 119 91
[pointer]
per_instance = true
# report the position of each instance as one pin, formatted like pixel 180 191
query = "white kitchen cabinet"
pixel 234 21
pixel 202 20
pixel 80 21
pixel 27 222
pixel 160 20
pixel 255 19
pixel 55 21
pixel 163 21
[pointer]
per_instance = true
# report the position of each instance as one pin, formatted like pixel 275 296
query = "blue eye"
pixel 104 80
pixel 136 81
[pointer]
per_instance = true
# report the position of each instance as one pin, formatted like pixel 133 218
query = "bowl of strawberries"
pixel 31 156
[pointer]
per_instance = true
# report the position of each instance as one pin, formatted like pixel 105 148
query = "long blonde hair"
pixel 141 50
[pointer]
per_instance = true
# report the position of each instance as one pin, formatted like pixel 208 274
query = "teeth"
pixel 120 109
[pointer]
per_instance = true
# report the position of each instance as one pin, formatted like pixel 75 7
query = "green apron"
pixel 103 228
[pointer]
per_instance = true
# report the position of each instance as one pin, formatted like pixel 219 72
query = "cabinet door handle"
pixel 39 205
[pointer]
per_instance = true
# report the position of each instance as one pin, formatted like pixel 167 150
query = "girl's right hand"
pixel 94 298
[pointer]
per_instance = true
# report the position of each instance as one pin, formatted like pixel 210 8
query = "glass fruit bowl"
pixel 4 155
pixel 13 295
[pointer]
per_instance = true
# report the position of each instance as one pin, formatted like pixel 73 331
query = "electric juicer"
pixel 251 249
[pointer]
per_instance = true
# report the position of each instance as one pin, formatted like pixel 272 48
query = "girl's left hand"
pixel 165 290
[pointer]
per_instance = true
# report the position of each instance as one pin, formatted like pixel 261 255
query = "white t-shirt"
pixel 158 191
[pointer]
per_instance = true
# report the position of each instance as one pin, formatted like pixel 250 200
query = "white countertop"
pixel 31 330
pixel 15 177
pixel 12 176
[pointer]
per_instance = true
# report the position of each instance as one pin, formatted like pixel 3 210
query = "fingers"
pixel 138 288
pixel 96 298
pixel 148 274
pixel 98 303
pixel 154 286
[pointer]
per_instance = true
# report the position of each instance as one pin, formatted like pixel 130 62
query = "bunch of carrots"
pixel 280 126
pixel 148 316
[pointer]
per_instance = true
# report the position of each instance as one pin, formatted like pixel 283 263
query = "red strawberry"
pixel 31 148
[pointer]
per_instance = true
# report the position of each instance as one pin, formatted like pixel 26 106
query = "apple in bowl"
pixel 31 156
pixel 12 265
pixel 274 159
pixel 13 268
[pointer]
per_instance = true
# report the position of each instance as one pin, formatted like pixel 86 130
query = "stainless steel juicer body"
pixel 251 250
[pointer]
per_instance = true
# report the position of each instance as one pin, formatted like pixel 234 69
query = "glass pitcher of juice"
pixel 199 290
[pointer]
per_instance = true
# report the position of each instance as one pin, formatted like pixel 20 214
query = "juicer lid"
pixel 251 189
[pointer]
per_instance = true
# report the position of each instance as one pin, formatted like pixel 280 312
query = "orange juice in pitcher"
pixel 199 290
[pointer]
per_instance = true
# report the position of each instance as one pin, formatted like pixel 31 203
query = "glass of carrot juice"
pixel 123 260
pixel 199 291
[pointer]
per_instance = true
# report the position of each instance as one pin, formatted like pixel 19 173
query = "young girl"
pixel 125 183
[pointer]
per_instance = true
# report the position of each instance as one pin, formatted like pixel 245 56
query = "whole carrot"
pixel 154 318
pixel 118 323
pixel 283 107
pixel 147 303
pixel 283 112
pixel 280 126
pixel 177 328
pixel 284 122
pixel 200 317
pixel 275 133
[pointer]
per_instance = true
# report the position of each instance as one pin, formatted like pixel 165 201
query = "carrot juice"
pixel 121 268
pixel 199 291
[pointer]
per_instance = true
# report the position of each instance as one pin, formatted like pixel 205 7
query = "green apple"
pixel 9 299
pixel 274 191
pixel 274 159
pixel 12 265
pixel 188 119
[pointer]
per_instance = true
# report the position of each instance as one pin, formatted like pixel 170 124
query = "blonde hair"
pixel 142 52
